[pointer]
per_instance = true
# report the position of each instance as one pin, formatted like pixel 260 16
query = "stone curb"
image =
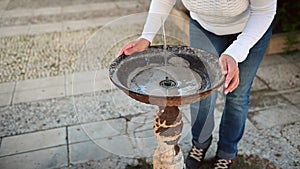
pixel 54 87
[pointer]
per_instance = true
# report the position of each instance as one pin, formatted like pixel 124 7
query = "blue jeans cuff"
pixel 204 145
pixel 226 156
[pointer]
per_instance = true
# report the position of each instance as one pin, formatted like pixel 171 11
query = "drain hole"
pixel 167 83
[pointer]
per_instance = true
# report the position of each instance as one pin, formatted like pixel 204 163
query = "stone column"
pixel 167 127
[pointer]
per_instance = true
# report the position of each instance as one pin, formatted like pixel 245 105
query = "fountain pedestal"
pixel 167 78
pixel 167 127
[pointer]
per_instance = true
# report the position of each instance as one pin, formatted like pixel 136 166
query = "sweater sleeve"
pixel 158 11
pixel 262 13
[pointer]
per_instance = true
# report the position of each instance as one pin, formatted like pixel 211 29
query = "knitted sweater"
pixel 250 18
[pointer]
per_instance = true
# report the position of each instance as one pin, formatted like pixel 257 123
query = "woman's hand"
pixel 231 70
pixel 135 46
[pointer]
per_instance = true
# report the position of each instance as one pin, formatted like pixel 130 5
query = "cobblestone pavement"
pixel 50 118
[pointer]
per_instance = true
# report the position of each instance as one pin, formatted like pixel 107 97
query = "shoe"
pixel 195 157
pixel 222 163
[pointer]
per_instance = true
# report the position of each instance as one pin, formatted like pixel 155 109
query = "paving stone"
pixel 42 28
pixel 145 143
pixel 38 89
pixel 7 87
pixel 141 122
pixel 258 85
pixel 262 100
pixel 122 145
pixel 42 159
pixel 132 5
pixel 47 11
pixel 38 94
pixel 5 99
pixel 6 93
pixel 33 141
pixel 250 126
pixel 45 28
pixel 79 83
pixel 88 82
pixel 76 25
pixel 40 83
pixel 14 30
pixel 274 116
pixel 273 60
pixel 28 4
pixel 280 77
pixel 294 97
pixel 97 130
pixel 85 24
pixel 17 13
pixel 89 7
pixel 86 151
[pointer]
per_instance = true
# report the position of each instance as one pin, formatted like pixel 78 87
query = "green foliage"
pixel 287 21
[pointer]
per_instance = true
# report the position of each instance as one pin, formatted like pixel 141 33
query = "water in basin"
pixel 176 78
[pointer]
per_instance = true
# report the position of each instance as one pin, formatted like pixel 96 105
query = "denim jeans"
pixel 236 103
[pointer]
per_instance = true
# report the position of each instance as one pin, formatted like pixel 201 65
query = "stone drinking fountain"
pixel 167 77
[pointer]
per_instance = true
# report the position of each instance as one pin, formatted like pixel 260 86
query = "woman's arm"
pixel 262 13
pixel 158 11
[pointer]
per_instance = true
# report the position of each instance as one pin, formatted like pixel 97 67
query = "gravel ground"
pixel 37 56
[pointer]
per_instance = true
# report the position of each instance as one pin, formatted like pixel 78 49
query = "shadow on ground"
pixel 242 161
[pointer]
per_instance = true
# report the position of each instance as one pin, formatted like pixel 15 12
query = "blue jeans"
pixel 236 103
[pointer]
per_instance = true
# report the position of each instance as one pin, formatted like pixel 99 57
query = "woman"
pixel 238 31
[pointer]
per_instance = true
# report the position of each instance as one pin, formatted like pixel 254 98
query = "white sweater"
pixel 222 17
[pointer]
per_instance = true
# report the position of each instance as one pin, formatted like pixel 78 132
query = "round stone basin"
pixel 176 76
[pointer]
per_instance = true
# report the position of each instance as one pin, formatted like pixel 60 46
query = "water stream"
pixel 165 53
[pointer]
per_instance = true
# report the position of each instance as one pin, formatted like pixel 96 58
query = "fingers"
pixel 231 71
pixel 224 66
pixel 134 46
pixel 234 82
pixel 125 48
pixel 130 51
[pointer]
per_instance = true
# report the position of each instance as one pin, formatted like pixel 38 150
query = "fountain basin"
pixel 175 76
